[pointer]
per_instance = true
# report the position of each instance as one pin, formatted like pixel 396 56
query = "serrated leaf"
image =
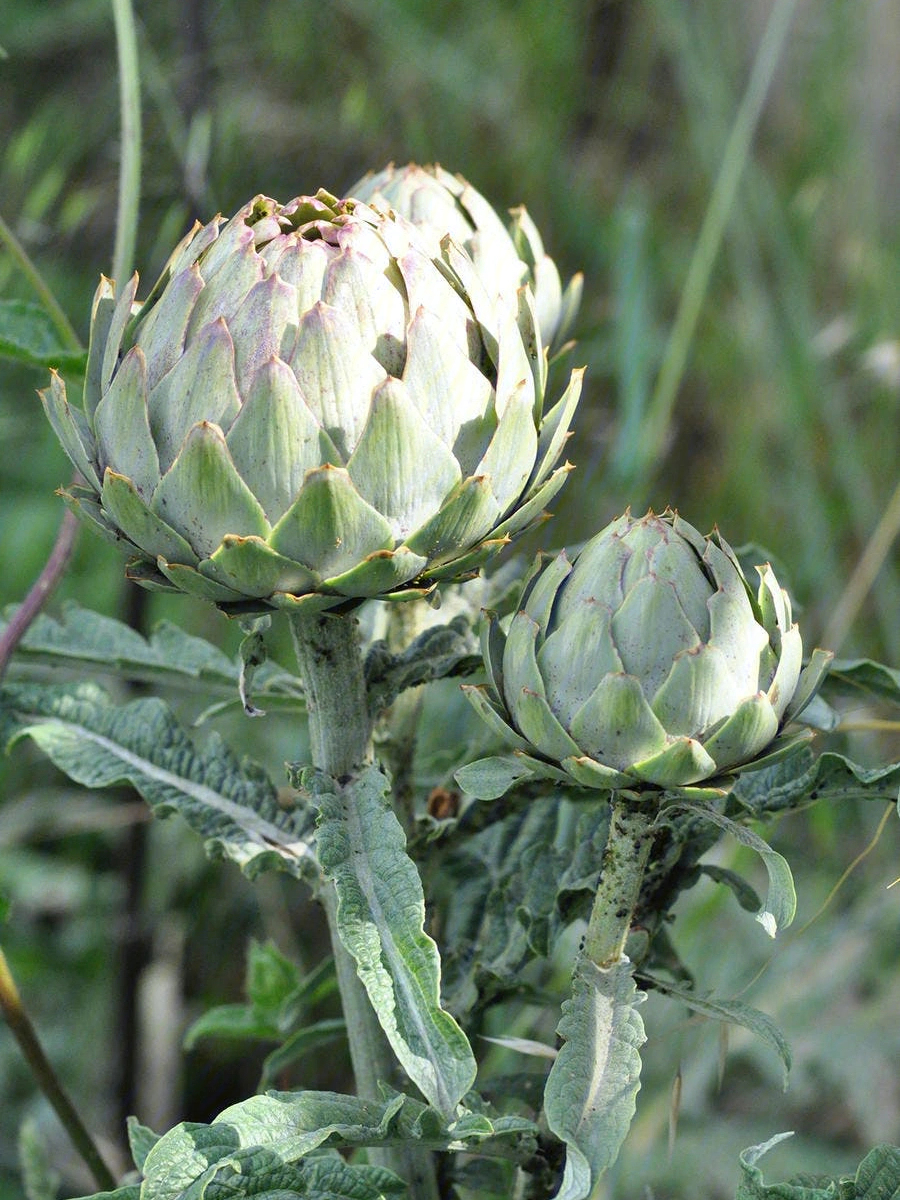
pixel 589 1099
pixel 780 904
pixel 28 335
pixel 381 915
pixel 806 777
pixel 733 1012
pixel 82 638
pixel 99 742
pixel 877 1178
pixel 268 1138
pixel 438 653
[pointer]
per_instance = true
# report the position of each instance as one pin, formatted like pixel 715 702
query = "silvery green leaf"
pixel 381 914
pixel 589 1099
pixel 99 742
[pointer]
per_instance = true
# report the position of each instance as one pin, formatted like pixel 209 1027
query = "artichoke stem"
pixel 331 667
pixel 340 733
pixel 622 872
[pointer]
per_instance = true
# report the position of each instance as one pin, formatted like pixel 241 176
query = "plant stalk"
pixel 23 1031
pixel 340 731
pixel 130 146
pixel 622 872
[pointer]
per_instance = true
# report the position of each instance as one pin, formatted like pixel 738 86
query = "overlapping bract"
pixel 439 204
pixel 310 408
pixel 647 661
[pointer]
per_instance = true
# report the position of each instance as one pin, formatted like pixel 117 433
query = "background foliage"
pixel 610 121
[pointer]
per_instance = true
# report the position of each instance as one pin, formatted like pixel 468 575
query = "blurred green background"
pixel 610 120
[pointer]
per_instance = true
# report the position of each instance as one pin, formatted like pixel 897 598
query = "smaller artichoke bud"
pixel 311 408
pixel 647 661
pixel 506 257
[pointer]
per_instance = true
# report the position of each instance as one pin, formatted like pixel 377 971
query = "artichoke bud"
pixel 647 661
pixel 506 257
pixel 313 406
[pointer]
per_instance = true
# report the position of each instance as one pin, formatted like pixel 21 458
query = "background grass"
pixel 611 122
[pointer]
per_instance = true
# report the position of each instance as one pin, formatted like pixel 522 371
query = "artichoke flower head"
pixel 311 407
pixel 646 661
pixel 506 256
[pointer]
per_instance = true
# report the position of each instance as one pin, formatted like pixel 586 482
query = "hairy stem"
pixel 23 1031
pixel 340 730
pixel 621 875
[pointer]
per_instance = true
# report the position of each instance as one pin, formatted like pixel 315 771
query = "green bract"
pixel 311 407
pixel 647 660
pixel 441 204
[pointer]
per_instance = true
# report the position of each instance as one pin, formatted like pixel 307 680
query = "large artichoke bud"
pixel 646 661
pixel 311 407
pixel 440 204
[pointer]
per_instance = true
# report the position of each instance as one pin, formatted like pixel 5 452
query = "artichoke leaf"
pixel 84 504
pixel 203 497
pixel 649 628
pixel 336 373
pixel 810 678
pixel 227 286
pixel 189 580
pixel 71 427
pixel 112 347
pixel 532 508
pixel 163 329
pixel 275 439
pixel 102 311
pixel 122 427
pixel 616 725
pixel 465 518
pixel 699 691
pixel 153 535
pixel 589 773
pixel 749 729
pixel 264 327
pixel 381 573
pixel 494 716
pixel 330 528
pixel 200 387
pixel 554 430
pixel 787 673
pixel 533 717
pixel 493 643
pixel 683 762
pixel 436 368
pixel 253 568
pixel 520 669
pixel 400 466
pixel 509 459
pixel 574 658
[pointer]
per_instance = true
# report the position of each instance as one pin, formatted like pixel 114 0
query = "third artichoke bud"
pixel 647 660
pixel 311 407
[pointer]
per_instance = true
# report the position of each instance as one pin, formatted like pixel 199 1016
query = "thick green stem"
pixel 23 1031
pixel 622 872
pixel 340 732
